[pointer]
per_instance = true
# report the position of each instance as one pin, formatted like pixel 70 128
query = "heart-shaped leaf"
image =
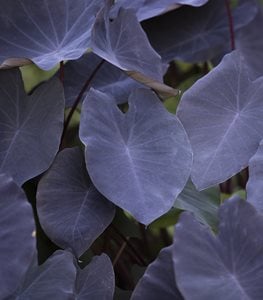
pixel 140 160
pixel 228 266
pixel 46 32
pixel 30 126
pixel 122 42
pixel 96 281
pixel 184 34
pixel 222 114
pixel 109 79
pixel 71 211
pixel 55 279
pixel 17 228
pixel 158 281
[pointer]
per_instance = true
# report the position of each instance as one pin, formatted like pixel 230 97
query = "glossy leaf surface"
pixel 122 42
pixel 96 281
pixel 17 228
pixel 46 32
pixel 109 79
pixel 30 126
pixel 222 114
pixel 55 279
pixel 184 34
pixel 203 204
pixel 158 281
pixel 228 266
pixel 130 157
pixel 71 211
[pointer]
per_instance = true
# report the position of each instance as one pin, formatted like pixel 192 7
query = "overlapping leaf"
pixel 109 79
pixel 222 114
pixel 255 182
pixel 140 160
pixel 30 126
pixel 17 227
pixel 184 34
pixel 46 32
pixel 96 281
pixel 158 281
pixel 250 43
pixel 150 8
pixel 55 279
pixel 122 42
pixel 203 204
pixel 71 211
pixel 229 266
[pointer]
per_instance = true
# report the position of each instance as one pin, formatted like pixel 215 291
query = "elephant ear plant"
pixel 131 159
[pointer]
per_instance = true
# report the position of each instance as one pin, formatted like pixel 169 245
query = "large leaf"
pixel 122 42
pixel 109 79
pixel 184 34
pixel 71 211
pixel 203 204
pixel 228 266
pixel 46 32
pixel 17 227
pixel 30 126
pixel 255 182
pixel 96 281
pixel 222 114
pixel 150 8
pixel 140 160
pixel 55 279
pixel 158 281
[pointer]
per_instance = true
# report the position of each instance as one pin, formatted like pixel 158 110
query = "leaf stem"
pixel 140 258
pixel 77 101
pixel 61 71
pixel 230 24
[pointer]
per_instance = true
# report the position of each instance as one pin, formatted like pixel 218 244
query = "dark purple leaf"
pixel 96 281
pixel 30 126
pixel 123 43
pixel 71 211
pixel 17 228
pixel 147 9
pixel 185 34
pixel 140 160
pixel 250 43
pixel 222 114
pixel 255 182
pixel 46 32
pixel 55 279
pixel 109 79
pixel 158 281
pixel 228 266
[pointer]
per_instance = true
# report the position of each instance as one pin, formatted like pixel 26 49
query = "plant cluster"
pixel 122 173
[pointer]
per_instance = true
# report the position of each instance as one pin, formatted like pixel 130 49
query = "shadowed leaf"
pixel 30 126
pixel 71 211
